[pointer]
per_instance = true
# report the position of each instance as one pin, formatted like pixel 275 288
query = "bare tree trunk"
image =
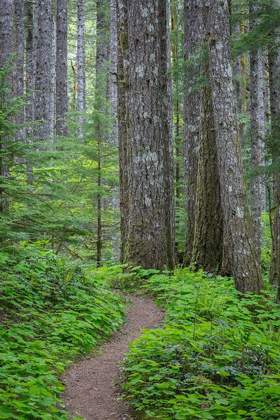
pixel 123 118
pixel 208 238
pixel 177 111
pixel 19 49
pixel 42 81
pixel 149 239
pixel 29 64
pixel 6 51
pixel 53 71
pixel 238 227
pixel 6 32
pixel 114 60
pixel 61 70
pixel 274 83
pixel 101 103
pixel 193 34
pixel 81 64
pixel 256 109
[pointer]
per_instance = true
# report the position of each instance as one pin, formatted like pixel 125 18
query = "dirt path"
pixel 90 384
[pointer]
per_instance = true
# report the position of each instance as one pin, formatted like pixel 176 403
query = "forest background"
pixel 89 177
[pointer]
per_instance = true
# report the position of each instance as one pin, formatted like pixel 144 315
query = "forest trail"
pixel 90 391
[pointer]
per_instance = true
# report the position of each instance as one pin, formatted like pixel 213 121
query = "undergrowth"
pixel 51 310
pixel 217 356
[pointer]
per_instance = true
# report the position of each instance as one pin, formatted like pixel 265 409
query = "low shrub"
pixel 51 310
pixel 217 356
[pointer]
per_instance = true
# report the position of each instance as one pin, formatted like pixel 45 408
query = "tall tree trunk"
pixel 61 69
pixel 256 109
pixel 150 230
pixel 29 63
pixel 193 34
pixel 53 71
pixel 238 227
pixel 6 51
pixel 177 109
pixel 42 81
pixel 274 83
pixel 114 60
pixel 101 101
pixel 208 238
pixel 6 32
pixel 123 118
pixel 81 64
pixel 19 49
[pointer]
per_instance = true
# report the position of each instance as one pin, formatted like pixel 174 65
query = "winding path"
pixel 90 391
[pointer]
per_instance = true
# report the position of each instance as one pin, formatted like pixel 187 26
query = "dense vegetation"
pixel 216 357
pixel 119 146
pixel 51 311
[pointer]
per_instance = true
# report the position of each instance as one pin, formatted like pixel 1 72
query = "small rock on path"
pixel 90 391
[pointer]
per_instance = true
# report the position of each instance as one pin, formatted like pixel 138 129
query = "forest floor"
pixel 92 385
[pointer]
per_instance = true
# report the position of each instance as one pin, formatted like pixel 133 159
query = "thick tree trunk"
pixel 208 238
pixel 274 83
pixel 150 230
pixel 81 64
pixel 256 109
pixel 193 30
pixel 42 81
pixel 238 227
pixel 123 118
pixel 61 69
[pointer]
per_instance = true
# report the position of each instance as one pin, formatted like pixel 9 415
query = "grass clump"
pixel 51 311
pixel 217 356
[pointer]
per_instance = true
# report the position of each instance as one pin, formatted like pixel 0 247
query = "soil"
pixel 92 385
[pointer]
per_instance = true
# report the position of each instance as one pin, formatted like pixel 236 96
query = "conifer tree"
pixel 193 35
pixel 150 225
pixel 237 222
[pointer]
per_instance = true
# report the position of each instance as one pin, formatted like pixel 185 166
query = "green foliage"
pixel 51 310
pixel 217 356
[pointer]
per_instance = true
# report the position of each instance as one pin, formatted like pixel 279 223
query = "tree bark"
pixel 238 227
pixel 6 51
pixel 101 104
pixel 42 80
pixel 150 230
pixel 53 71
pixel 19 49
pixel 123 118
pixel 113 78
pixel 61 70
pixel 193 35
pixel 81 64
pixel 256 108
pixel 208 237
pixel 274 83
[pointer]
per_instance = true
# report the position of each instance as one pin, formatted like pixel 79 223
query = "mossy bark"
pixel 237 221
pixel 274 82
pixel 193 35
pixel 208 236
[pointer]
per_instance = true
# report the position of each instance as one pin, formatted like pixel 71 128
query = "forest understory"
pixel 139 160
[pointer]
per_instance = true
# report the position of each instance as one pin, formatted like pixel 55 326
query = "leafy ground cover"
pixel 217 356
pixel 51 310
